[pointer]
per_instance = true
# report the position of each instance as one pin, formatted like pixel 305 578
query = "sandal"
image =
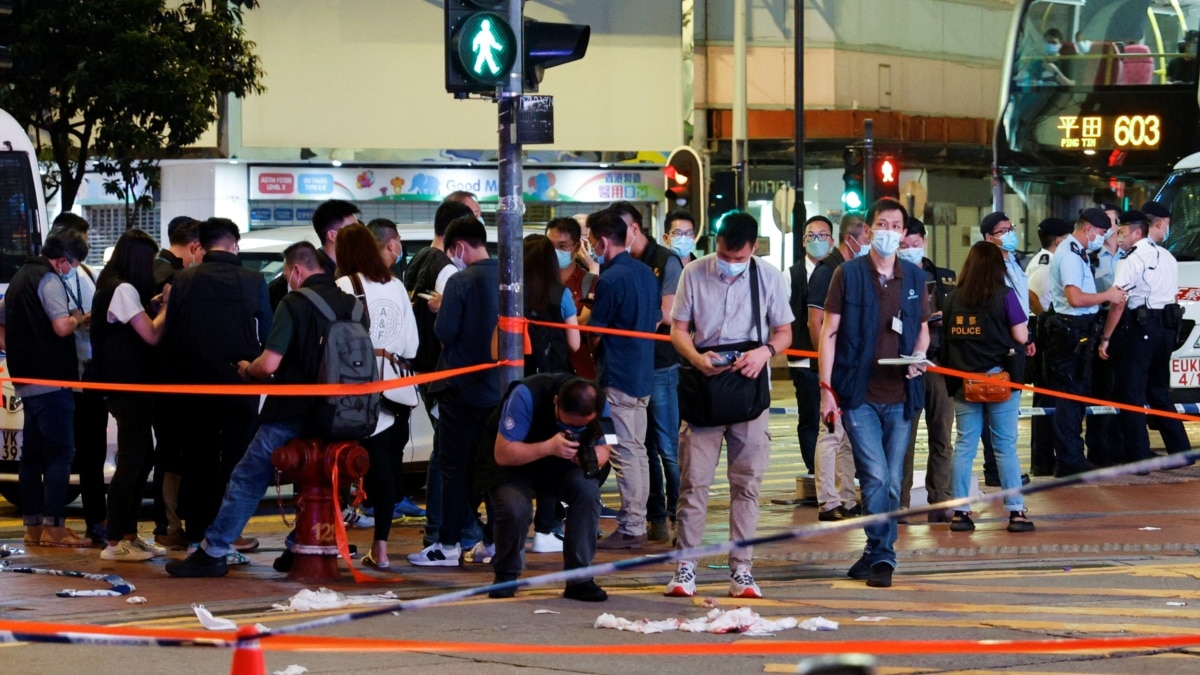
pixel 961 522
pixel 370 561
pixel 1017 522
pixel 33 535
pixel 63 537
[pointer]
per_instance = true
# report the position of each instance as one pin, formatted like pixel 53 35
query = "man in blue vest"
pixel 877 308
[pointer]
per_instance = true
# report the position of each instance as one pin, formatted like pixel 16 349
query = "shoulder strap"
pixel 327 311
pixel 358 290
pixel 754 307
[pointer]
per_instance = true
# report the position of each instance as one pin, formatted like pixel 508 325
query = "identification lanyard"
pixel 78 295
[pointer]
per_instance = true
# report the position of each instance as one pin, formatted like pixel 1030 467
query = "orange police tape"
pixel 937 369
pixel 26 631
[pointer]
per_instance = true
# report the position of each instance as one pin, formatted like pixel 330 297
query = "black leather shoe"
pixel 860 570
pixel 502 593
pixel 881 575
pixel 586 591
pixel 1064 470
pixel 836 513
pixel 854 511
pixel 198 564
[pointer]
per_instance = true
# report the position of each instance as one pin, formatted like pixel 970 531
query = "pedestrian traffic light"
pixel 551 44
pixel 481 47
pixel 722 196
pixel 684 181
pixel 853 176
pixel 887 178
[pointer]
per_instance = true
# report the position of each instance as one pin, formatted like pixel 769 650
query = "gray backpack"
pixel 347 357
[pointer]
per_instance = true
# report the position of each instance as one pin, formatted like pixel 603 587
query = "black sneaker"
pixel 198 564
pixel 860 570
pixel 1017 522
pixel 836 513
pixel 853 512
pixel 284 562
pixel 881 575
pixel 961 522
pixel 586 591
pixel 502 593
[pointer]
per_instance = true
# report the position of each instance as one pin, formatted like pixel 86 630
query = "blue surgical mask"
pixel 912 255
pixel 861 250
pixel 1008 241
pixel 1094 243
pixel 565 258
pixel 818 248
pixel 683 246
pixel 731 270
pixel 1052 48
pixel 886 242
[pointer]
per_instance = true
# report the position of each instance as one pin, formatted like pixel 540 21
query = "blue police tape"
pixel 119 586
pixel 1155 464
pixel 1036 411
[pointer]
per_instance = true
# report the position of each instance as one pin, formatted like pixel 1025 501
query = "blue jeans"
pixel 662 445
pixel 247 485
pixel 1002 422
pixel 879 437
pixel 46 454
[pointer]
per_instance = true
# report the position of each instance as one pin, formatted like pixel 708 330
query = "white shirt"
pixel 1038 271
pixel 125 304
pixel 1150 274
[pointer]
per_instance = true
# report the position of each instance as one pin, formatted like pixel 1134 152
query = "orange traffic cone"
pixel 247 657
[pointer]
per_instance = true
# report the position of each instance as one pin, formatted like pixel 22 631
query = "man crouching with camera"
pixel 550 432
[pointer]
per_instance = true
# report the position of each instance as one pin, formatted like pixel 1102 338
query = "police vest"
pixel 978 339
pixel 859 327
pixel 34 349
pixel 544 425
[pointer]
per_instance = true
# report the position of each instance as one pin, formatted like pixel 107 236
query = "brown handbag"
pixel 987 390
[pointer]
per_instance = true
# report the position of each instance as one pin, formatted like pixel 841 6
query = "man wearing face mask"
pixel 833 458
pixel 627 298
pixel 1072 332
pixel 1052 69
pixel 1051 233
pixel 939 407
pixel 662 412
pixel 220 315
pixel 679 234
pixel 465 323
pixel 818 240
pixel 566 236
pixel 183 250
pixel 1103 436
pixel 1143 332
pixel 878 308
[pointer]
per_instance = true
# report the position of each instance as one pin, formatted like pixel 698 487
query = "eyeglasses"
pixel 1000 232
pixel 814 236
pixel 690 234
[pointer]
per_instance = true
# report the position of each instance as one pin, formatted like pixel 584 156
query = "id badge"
pixel 897 325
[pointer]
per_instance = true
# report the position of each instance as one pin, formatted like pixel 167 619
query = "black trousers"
pixel 808 412
pixel 135 458
pixel 219 429
pixel 1143 372
pixel 1069 371
pixel 91 449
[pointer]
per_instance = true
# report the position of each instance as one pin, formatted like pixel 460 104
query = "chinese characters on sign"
pixel 1141 132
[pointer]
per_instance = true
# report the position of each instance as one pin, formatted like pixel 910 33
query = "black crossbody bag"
pixel 727 397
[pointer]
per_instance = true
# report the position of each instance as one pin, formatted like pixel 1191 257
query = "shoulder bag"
pixel 392 366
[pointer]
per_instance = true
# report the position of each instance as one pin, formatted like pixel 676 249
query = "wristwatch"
pixel 771 348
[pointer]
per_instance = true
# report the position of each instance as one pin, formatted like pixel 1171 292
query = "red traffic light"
pixel 675 175
pixel 888 172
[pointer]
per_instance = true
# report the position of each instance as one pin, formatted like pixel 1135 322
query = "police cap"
pixel 1055 227
pixel 1096 218
pixel 1132 216
pixel 1156 209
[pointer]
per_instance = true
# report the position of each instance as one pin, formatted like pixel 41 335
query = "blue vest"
pixel 859 327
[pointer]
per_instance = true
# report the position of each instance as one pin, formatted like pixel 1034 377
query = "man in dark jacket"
pixel 220 315
pixel 329 217
pixel 292 354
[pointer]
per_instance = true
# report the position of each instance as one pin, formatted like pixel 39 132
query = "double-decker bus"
pixel 1098 102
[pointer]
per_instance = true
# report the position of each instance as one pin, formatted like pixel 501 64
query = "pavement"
pixel 1106 560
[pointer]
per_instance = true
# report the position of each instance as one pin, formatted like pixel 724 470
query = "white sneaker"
pixel 683 584
pixel 480 554
pixel 741 584
pixel 435 555
pixel 353 518
pixel 125 551
pixel 546 543
pixel 150 547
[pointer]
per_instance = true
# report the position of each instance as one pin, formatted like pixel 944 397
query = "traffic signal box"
pixel 887 178
pixel 481 48
pixel 853 197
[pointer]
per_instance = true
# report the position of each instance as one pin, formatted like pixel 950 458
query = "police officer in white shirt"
pixel 1143 330
pixel 1071 334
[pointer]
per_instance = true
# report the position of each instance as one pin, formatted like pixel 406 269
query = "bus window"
pixel 18 212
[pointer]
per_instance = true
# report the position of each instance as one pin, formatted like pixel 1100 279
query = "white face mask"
pixel 861 250
pixel 457 260
pixel 912 255
pixel 886 242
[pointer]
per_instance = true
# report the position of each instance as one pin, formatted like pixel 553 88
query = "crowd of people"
pixel 657 413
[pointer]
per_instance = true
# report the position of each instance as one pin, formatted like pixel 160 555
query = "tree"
pixel 125 81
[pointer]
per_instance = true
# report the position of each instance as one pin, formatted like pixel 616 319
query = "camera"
pixel 586 454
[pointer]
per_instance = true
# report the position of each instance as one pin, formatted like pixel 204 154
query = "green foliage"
pixel 126 81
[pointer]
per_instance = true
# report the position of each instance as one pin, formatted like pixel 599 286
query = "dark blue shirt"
pixel 627 298
pixel 465 323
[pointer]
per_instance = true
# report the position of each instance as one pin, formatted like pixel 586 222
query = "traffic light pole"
pixel 868 163
pixel 510 212
pixel 799 212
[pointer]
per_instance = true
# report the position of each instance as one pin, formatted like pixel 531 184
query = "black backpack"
pixel 347 357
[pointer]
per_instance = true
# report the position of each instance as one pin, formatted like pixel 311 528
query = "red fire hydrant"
pixel 309 463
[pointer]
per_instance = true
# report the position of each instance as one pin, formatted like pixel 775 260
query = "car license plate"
pixel 11 449
pixel 1185 372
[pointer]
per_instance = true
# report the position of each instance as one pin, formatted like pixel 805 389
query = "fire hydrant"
pixel 309 463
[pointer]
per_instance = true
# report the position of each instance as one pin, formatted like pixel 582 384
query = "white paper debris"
pixel 545 611
pixel 136 600
pixel 1149 529
pixel 292 670
pixel 872 618
pixel 818 623
pixel 1176 604
pixel 323 598
pixel 211 622
pixel 742 620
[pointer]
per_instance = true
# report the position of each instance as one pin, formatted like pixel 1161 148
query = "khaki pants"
pixel 834 470
pixel 749 453
pixel 629 459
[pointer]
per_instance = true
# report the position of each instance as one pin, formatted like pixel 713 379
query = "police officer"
pixel 1103 437
pixel 1071 334
pixel 1051 233
pixel 1143 331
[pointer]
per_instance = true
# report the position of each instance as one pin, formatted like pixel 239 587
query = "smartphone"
pixel 726 358
pixel 427 296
